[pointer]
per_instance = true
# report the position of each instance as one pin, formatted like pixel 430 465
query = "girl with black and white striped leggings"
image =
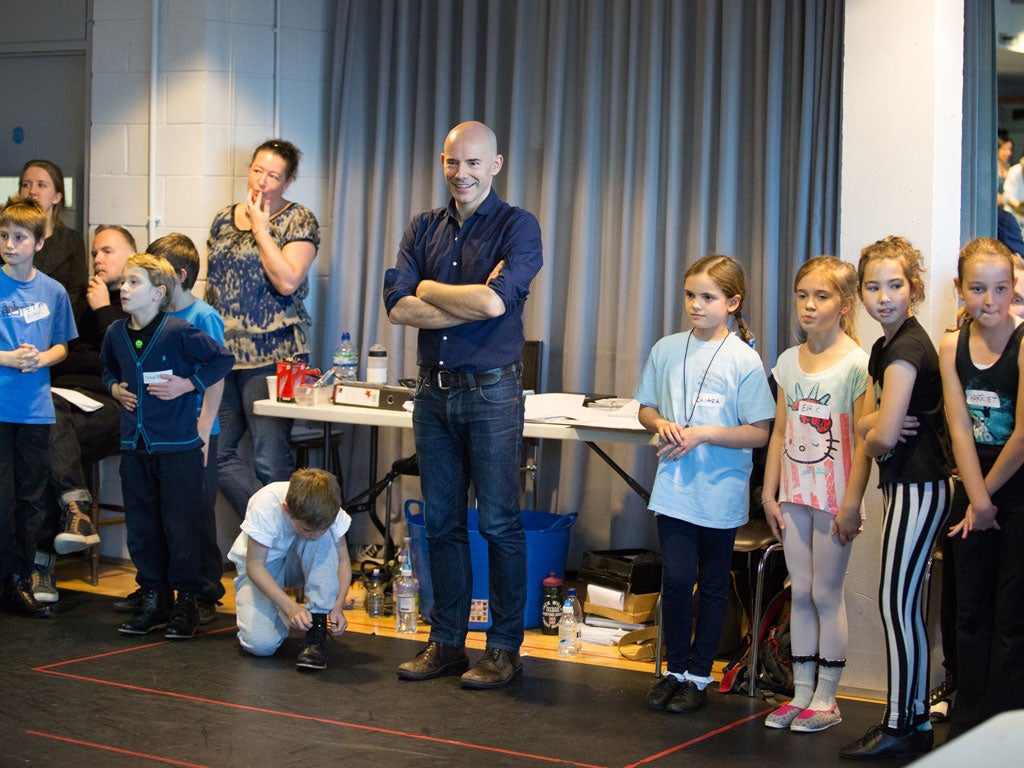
pixel 906 433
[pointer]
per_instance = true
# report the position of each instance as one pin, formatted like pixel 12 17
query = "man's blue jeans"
pixel 272 459
pixel 463 435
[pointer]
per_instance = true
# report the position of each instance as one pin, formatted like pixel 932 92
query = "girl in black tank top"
pixel 980 367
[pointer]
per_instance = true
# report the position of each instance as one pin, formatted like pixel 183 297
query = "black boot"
pixel 314 650
pixel 130 603
pixel 153 613
pixel 184 618
pixel 18 598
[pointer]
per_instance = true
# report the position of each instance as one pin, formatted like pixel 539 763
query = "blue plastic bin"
pixel 547 546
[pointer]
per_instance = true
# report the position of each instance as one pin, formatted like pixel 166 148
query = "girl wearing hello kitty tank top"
pixel 818 470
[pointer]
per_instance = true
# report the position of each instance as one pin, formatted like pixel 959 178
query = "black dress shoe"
pixel 153 613
pixel 660 695
pixel 184 618
pixel 18 598
pixel 876 744
pixel 687 698
pixel 495 669
pixel 433 661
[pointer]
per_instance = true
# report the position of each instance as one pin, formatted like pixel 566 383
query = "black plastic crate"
pixel 630 570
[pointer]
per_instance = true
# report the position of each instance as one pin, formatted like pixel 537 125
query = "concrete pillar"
pixel 902 112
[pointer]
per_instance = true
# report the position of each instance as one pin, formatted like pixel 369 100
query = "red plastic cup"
pixel 289 376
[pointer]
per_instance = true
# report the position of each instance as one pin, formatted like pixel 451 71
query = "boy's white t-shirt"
pixel 266 522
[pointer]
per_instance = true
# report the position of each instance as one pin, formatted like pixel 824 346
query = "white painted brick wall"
pixel 214 105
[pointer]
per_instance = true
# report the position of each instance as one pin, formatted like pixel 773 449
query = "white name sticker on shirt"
pixel 155 377
pixel 815 410
pixel 982 398
pixel 35 312
pixel 710 400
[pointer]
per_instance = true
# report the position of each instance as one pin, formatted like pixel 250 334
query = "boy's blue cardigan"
pixel 163 426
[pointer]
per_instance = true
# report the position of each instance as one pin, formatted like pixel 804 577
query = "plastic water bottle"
pixel 406 593
pixel 567 631
pixel 346 359
pixel 577 613
pixel 375 595
pixel 377 364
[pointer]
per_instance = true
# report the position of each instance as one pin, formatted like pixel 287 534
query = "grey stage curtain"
pixel 643 134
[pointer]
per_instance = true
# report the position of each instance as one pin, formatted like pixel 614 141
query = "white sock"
pixel 680 676
pixel 825 693
pixel 803 683
pixel 700 682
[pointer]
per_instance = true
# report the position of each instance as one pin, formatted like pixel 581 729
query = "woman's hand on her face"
pixel 258 212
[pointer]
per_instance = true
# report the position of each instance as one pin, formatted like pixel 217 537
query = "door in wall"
pixel 44 98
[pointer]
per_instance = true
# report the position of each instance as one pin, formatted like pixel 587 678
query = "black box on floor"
pixel 630 570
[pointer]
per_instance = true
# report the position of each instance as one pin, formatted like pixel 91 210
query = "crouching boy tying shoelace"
pixel 293 535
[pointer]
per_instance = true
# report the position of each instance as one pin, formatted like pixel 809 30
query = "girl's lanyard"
pixel 696 398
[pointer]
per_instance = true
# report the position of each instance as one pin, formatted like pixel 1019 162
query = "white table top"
pixel 381 417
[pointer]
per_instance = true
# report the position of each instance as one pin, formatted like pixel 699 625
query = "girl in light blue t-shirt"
pixel 706 396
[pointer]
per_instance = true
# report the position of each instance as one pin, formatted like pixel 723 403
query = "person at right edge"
pixel 462 277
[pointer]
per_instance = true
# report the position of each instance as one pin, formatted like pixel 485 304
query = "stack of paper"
pixel 567 408
pixel 600 635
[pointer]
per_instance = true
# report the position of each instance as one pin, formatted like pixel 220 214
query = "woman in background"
pixel 63 254
pixel 260 253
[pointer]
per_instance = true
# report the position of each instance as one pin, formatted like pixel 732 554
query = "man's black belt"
pixel 447 379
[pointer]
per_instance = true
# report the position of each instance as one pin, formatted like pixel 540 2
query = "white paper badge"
pixel 155 377
pixel 35 312
pixel 815 410
pixel 982 398
pixel 710 400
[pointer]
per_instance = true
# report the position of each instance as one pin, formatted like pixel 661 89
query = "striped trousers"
pixel 913 515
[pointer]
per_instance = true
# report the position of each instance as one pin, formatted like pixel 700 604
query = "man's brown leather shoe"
pixel 433 661
pixel 495 669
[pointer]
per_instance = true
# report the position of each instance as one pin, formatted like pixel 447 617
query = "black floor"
pixel 75 693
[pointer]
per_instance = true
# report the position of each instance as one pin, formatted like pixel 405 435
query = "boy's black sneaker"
pixel 184 618
pixel 153 612
pixel 18 598
pixel 207 612
pixel 129 603
pixel 314 650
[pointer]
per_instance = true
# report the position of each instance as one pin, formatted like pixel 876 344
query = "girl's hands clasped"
pixel 847 525
pixel 676 440
pixel 976 519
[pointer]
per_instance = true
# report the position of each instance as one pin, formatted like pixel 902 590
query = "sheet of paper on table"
pixel 566 408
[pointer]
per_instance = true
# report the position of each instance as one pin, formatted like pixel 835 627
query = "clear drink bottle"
pixel 406 594
pixel 567 631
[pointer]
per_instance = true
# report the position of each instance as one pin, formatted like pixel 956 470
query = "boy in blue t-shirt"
pixel 157 367
pixel 36 323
